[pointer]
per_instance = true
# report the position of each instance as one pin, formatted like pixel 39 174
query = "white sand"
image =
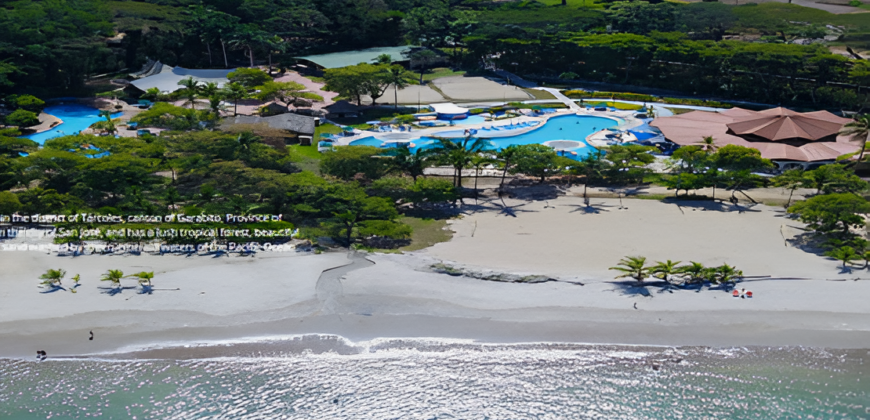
pixel 276 294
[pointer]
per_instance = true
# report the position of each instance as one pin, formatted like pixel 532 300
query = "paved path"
pixel 562 98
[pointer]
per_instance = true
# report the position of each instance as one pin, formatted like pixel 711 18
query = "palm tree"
pixel 113 276
pixel 664 270
pixel 191 90
pixel 410 163
pixel 634 267
pixel 695 271
pixel 859 130
pixel 458 154
pixel 144 278
pixel 845 254
pixel 53 277
pixel 791 180
pixel 110 125
pixel 708 144
pixel 245 140
pixel 399 78
pixel 726 274
pixel 235 92
pixel 209 89
pixel 507 156
pixel 866 256
pixel 476 162
pixel 214 102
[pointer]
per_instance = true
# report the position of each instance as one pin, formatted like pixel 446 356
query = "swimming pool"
pixel 75 118
pixel 472 119
pixel 566 127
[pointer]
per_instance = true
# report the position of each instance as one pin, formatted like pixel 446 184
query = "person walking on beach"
pixel 92 336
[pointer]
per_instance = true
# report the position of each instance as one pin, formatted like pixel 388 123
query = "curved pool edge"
pixel 42 137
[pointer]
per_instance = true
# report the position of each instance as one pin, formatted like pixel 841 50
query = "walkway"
pixel 516 80
pixel 562 98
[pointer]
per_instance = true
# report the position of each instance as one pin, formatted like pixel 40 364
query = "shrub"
pixel 169 116
pixel 9 203
pixel 28 102
pixel 22 118
pixel 568 75
pixel 249 78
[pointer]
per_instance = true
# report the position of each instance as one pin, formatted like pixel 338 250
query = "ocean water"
pixel 327 377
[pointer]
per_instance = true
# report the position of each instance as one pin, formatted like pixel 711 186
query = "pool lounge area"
pixel 572 130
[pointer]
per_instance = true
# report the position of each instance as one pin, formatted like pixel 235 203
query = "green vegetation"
pixel 436 73
pixel 52 49
pixel 706 165
pixel 582 94
pixel 426 232
pixel 365 79
pixel 22 118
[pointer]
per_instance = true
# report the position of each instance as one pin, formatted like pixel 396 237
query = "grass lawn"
pixel 309 152
pixel 307 158
pixel 437 73
pixel 617 105
pixel 539 94
pixel 427 232
pixel 678 111
pixel 325 128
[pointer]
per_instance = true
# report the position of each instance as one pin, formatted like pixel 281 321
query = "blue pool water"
pixel 568 127
pixel 368 141
pixel 472 119
pixel 75 118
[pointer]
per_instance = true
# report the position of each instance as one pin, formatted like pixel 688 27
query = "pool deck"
pixel 46 122
pixel 407 136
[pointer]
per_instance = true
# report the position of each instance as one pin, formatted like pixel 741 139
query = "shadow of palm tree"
pixel 588 208
pixel 497 204
pixel 112 291
pixel 53 289
pixel 632 288
pixel 146 290
pixel 535 192
pixel 711 205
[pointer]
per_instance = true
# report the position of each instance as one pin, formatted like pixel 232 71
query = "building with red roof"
pixel 789 138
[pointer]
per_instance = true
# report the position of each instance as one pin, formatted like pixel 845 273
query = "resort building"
pixel 400 55
pixel 788 138
pixel 289 127
pixel 165 78
pixel 343 109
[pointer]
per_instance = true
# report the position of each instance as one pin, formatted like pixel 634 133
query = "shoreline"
pixel 397 296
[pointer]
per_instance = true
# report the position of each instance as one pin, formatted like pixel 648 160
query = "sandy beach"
pixel 807 301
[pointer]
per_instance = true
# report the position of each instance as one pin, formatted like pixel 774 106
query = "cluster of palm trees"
pixel 194 90
pixel 674 273
pixel 53 278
